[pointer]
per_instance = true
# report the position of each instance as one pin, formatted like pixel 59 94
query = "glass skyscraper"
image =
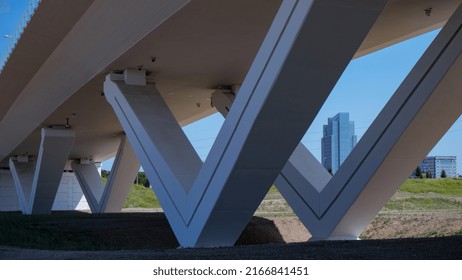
pixel 338 140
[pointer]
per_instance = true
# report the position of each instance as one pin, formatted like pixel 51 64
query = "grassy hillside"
pixel 422 204
pixel 141 197
pixel 447 186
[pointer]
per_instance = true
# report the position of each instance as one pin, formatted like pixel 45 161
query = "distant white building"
pixel 436 164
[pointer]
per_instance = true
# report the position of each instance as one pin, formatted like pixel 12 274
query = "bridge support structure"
pixel 109 197
pixel 209 204
pixel 37 182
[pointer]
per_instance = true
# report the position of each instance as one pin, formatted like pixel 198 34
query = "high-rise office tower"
pixel 338 140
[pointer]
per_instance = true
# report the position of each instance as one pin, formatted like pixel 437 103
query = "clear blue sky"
pixel 11 12
pixel 363 90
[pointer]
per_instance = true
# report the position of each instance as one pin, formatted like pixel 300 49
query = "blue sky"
pixel 365 87
pixel 363 90
pixel 11 12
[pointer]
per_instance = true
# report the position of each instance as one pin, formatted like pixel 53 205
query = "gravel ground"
pixel 396 249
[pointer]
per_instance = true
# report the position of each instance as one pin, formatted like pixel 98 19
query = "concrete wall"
pixel 8 197
pixel 69 196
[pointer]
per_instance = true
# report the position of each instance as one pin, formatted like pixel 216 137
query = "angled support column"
pixel 423 108
pixel 302 169
pixel 167 156
pixel 421 111
pixel 37 183
pixel 109 198
pixel 210 205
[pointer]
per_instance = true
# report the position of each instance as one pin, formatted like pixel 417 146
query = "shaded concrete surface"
pixel 401 249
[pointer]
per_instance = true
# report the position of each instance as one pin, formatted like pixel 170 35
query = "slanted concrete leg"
pixel 23 176
pixel 409 126
pixel 91 183
pixel 423 108
pixel 123 173
pixel 167 156
pixel 110 197
pixel 302 178
pixel 210 206
pixel 37 184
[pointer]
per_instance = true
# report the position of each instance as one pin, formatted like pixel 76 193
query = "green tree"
pixel 443 174
pixel 141 179
pixel 104 173
pixel 418 172
pixel 428 175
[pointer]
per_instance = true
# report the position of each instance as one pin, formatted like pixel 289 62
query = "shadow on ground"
pixel 120 231
pixel 71 235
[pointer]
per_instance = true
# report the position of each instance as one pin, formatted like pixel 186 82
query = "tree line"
pixel 419 174
pixel 140 179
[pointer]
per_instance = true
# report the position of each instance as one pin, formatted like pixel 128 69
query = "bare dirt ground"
pixel 388 223
pixel 414 224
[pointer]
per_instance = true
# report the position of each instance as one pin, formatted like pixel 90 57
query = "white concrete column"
pixel 109 197
pixel 37 183
pixel 168 158
pixel 123 173
pixel 293 74
pixel 418 115
pixel 296 68
pixel 23 176
pixel 423 108
pixel 91 183
pixel 301 179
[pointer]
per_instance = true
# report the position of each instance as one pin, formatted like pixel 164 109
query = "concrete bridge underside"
pixel 92 79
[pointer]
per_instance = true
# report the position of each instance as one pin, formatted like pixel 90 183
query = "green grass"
pixel 141 197
pixel 447 186
pixel 423 204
